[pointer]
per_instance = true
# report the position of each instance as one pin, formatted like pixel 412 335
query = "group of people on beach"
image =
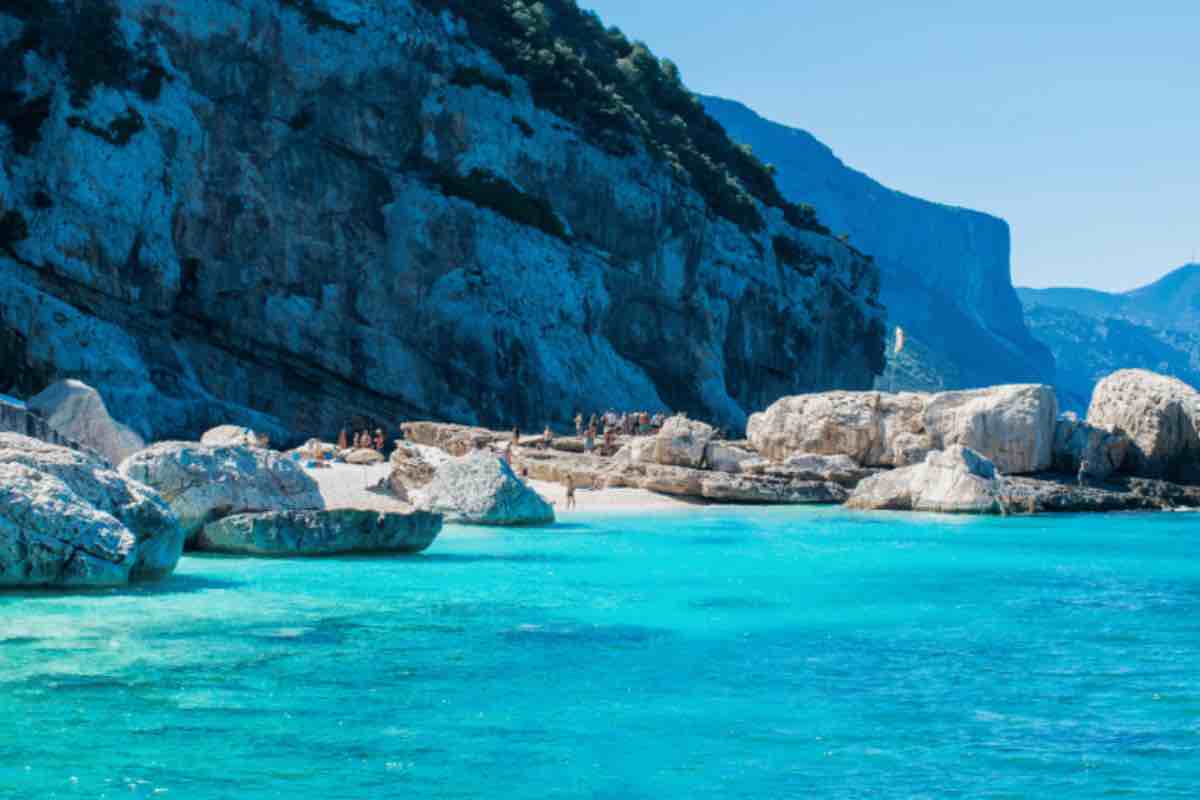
pixel 362 440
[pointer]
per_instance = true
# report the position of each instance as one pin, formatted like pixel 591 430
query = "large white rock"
pixel 204 483
pixel 957 481
pixel 682 442
pixel 481 489
pixel 320 533
pixel 78 412
pixel 861 425
pixel 229 436
pixel 66 519
pixel 1160 415
pixel 1012 425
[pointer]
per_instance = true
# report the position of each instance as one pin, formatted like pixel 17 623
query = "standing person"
pixel 516 439
pixel 579 423
pixel 379 439
pixel 594 424
pixel 547 438
pixel 610 436
pixel 508 453
pixel 570 491
pixel 343 440
pixel 1085 469
pixel 589 442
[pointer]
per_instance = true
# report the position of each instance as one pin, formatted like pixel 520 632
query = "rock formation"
pixel 204 483
pixel 68 520
pixel 683 443
pixel 946 276
pixel 1160 416
pixel 1012 425
pixel 320 533
pixel 78 412
pixel 955 481
pixel 285 215
pixel 1078 444
pixel 480 489
pixel 229 436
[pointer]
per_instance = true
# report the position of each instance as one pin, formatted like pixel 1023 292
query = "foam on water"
pixel 714 654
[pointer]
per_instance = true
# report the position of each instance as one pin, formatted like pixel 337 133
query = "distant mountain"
pixel 945 270
pixel 1095 333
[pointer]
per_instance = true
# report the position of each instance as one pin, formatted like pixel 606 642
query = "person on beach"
pixel 379 439
pixel 570 491
pixel 516 437
pixel 579 423
pixel 547 438
pixel 589 442
pixel 1085 469
pixel 508 454
pixel 610 438
pixel 343 440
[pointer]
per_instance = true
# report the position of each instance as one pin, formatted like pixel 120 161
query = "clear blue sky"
pixel 1078 122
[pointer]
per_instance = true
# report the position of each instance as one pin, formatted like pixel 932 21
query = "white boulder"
pixel 1012 425
pixel 682 442
pixel 66 519
pixel 1082 447
pixel 204 483
pixel 78 412
pixel 229 436
pixel 1160 416
pixel 481 489
pixel 955 481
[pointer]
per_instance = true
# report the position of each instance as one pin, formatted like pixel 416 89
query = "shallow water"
pixel 712 654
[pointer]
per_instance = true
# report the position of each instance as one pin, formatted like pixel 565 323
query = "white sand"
pixel 622 500
pixel 349 486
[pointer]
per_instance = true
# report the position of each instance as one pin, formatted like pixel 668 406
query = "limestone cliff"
pixel 945 270
pixel 288 213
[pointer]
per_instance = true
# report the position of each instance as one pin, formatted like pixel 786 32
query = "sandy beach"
pixel 349 486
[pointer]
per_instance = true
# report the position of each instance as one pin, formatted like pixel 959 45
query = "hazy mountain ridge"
pixel 1093 333
pixel 945 270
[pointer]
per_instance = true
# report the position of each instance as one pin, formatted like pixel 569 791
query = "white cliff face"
pixel 945 270
pixel 298 241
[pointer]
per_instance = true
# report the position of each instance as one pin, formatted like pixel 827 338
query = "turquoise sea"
pixel 711 654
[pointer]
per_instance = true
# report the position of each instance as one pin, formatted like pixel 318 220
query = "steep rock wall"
pixel 287 214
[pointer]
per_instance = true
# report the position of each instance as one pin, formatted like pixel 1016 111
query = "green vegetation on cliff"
pixel 618 92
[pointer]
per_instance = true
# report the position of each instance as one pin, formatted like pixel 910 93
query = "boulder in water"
pixel 78 412
pixel 481 489
pixel 1078 444
pixel 320 533
pixel 68 520
pixel 204 483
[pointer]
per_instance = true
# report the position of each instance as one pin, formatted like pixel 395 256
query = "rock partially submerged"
pixel 68 520
pixel 78 412
pixel 480 489
pixel 204 483
pixel 958 480
pixel 1011 425
pixel 1161 417
pixel 320 533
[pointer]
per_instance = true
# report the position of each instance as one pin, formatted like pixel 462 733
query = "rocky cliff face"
pixel 946 275
pixel 1093 334
pixel 286 213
